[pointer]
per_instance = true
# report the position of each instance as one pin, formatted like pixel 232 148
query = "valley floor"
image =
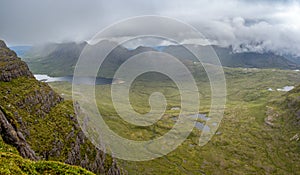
pixel 244 144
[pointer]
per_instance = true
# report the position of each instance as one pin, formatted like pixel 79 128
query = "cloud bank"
pixel 259 26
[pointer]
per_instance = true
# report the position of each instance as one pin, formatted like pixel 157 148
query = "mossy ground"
pixel 244 145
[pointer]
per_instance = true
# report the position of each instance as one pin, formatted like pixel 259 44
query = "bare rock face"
pixel 12 136
pixel 11 65
pixel 2 44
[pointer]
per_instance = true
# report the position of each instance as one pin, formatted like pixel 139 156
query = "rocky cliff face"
pixel 15 138
pixel 11 65
pixel 41 124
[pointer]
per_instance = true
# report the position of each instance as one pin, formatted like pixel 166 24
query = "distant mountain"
pixel 60 59
pixel 41 125
pixel 54 59
pixel 295 59
pixel 230 59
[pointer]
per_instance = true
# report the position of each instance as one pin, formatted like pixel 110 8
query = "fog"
pixel 260 26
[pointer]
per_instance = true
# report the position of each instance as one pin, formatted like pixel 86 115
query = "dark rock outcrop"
pixel 11 136
pixel 11 65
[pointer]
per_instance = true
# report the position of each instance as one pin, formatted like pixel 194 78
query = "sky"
pixel 246 25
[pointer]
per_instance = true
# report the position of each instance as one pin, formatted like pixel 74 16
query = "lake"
pixel 199 125
pixel 81 80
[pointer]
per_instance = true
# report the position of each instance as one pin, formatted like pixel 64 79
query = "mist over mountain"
pixel 60 59
pixel 252 26
pixel 229 58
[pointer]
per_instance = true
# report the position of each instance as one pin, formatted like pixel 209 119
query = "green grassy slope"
pixel 40 123
pixel 53 135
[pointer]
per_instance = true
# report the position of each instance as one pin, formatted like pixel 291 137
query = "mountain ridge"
pixel 60 59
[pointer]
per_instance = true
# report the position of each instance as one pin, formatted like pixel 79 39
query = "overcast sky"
pixel 246 25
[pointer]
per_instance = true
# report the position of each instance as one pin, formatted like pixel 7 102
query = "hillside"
pixel 40 124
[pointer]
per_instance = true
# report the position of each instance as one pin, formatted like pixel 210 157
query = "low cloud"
pixel 258 26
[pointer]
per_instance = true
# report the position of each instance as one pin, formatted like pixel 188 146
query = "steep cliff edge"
pixel 11 65
pixel 15 138
pixel 41 124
